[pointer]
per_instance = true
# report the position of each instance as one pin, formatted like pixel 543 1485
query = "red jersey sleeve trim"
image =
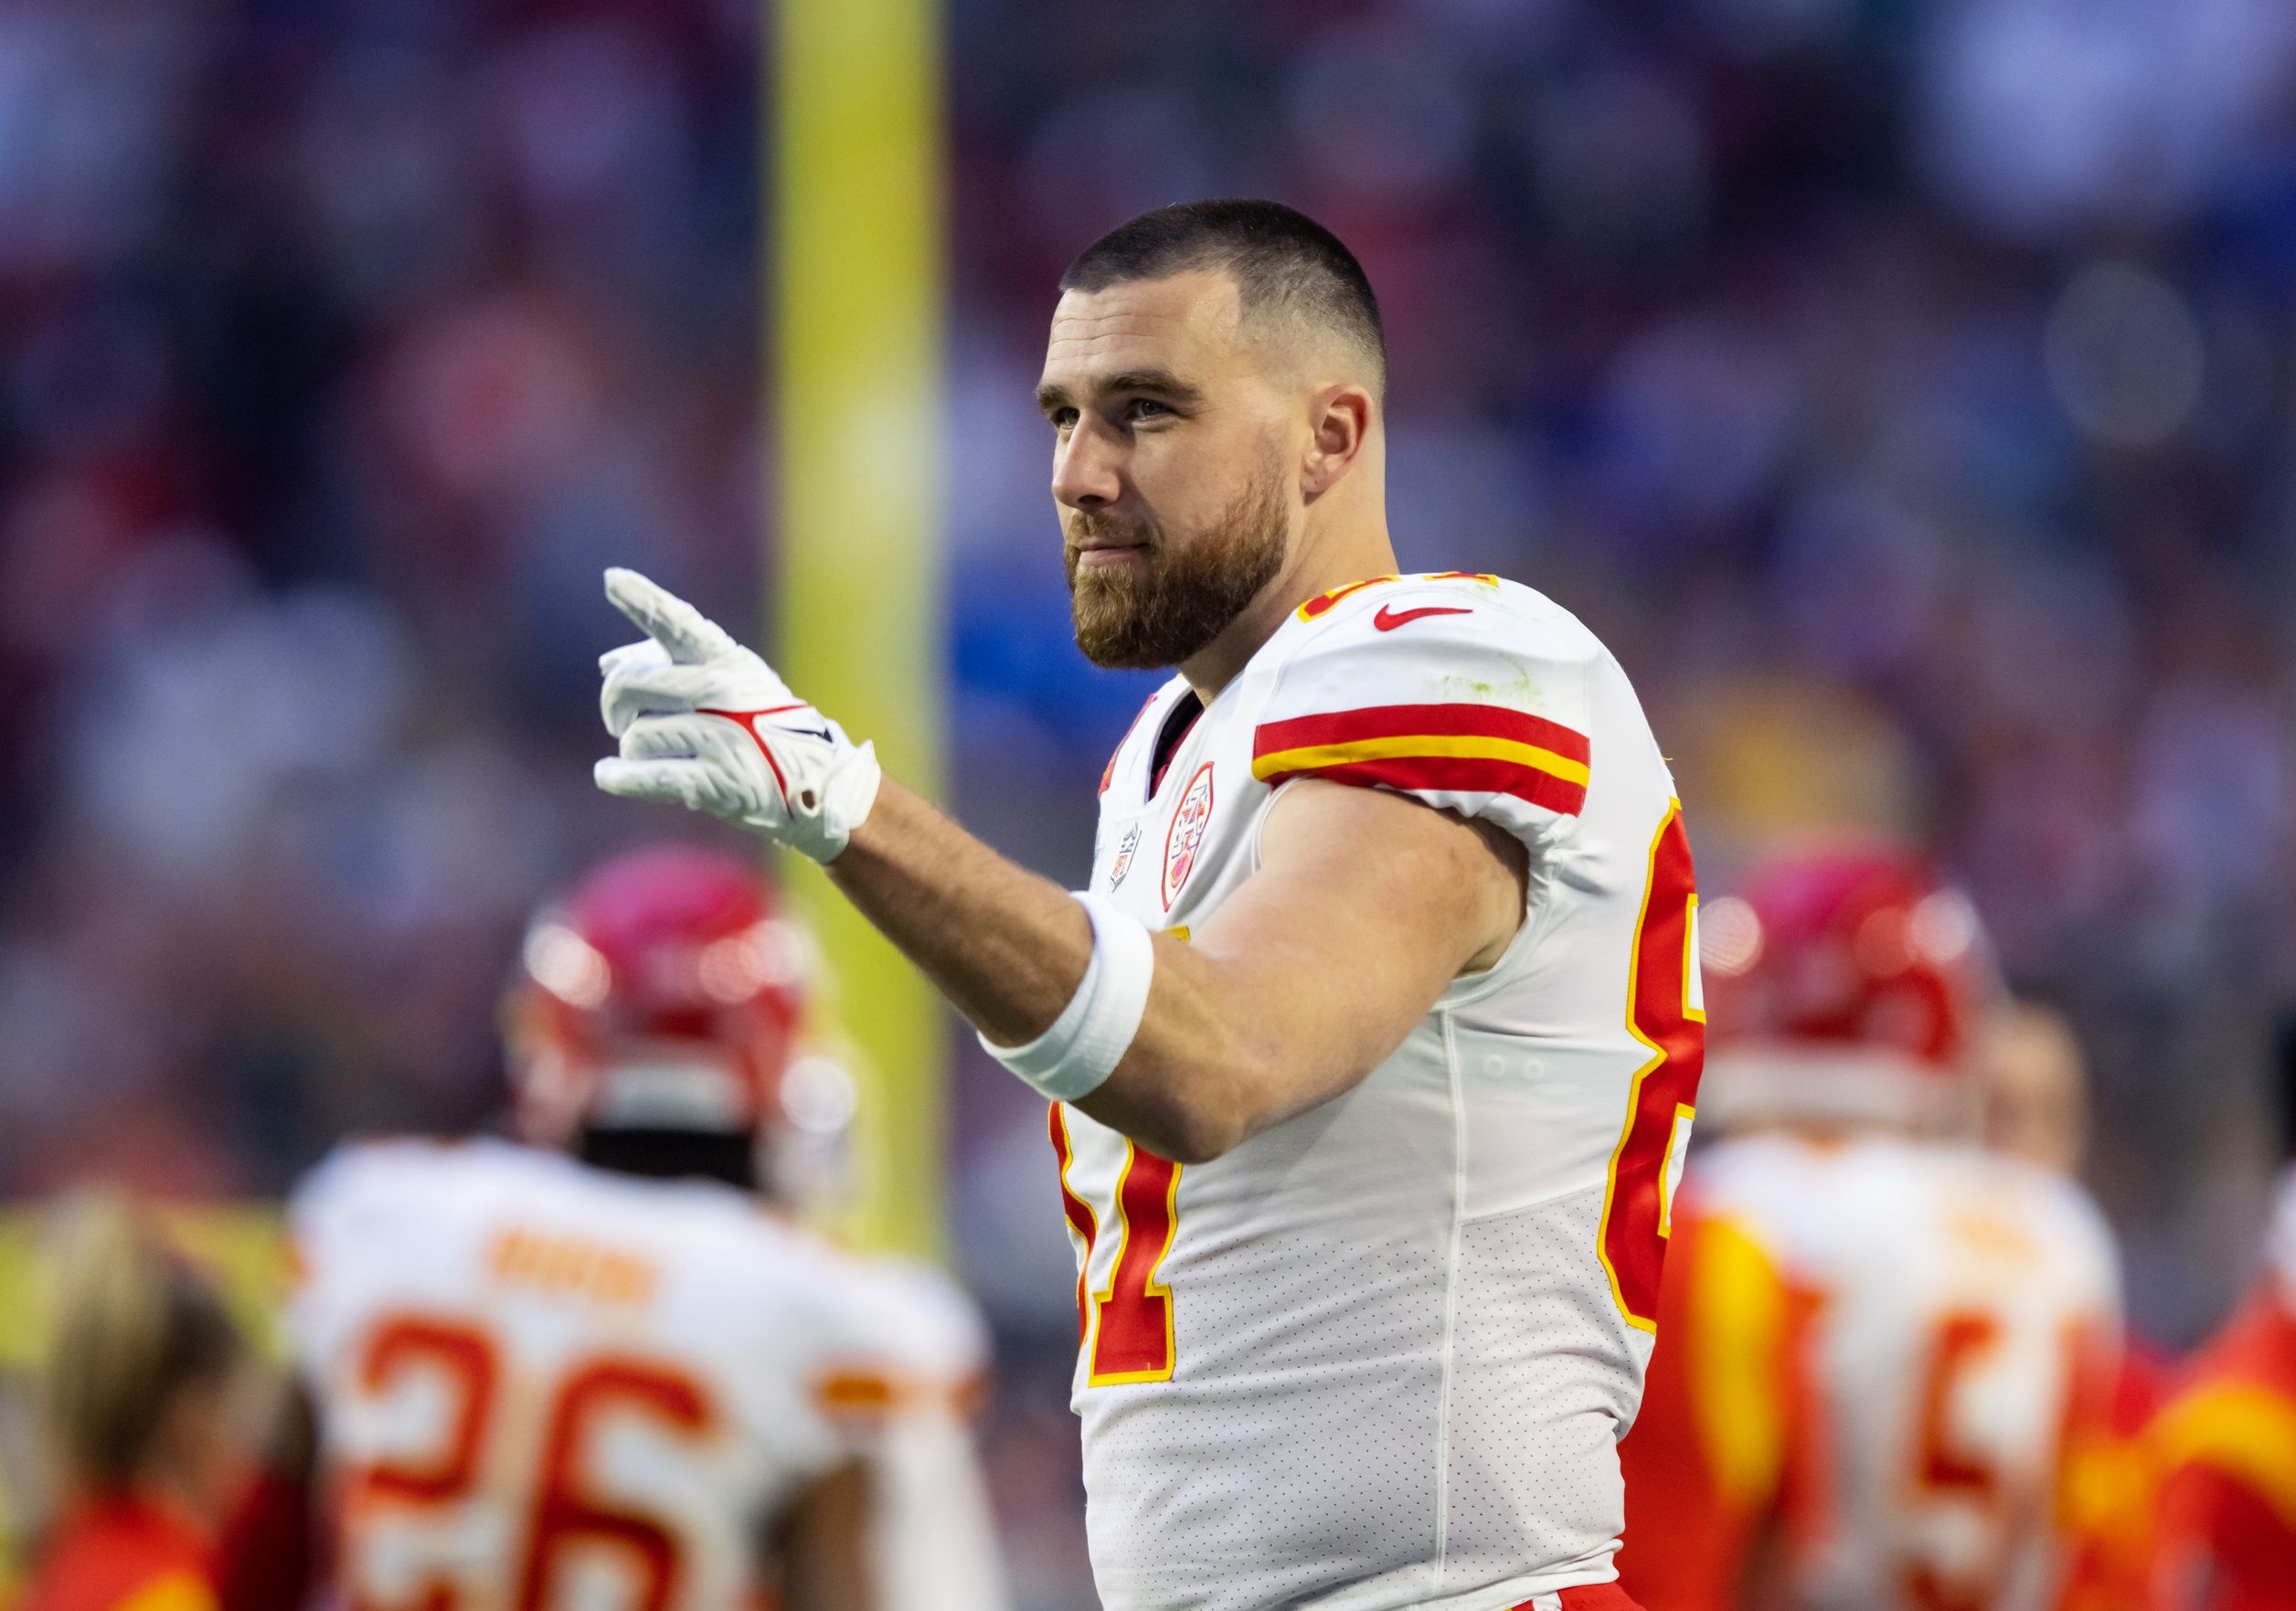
pixel 1453 748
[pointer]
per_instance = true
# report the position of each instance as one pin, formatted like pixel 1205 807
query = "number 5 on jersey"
pixel 1667 1013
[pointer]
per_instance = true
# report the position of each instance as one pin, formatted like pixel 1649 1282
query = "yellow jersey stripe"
pixel 2247 1432
pixel 1737 1317
pixel 1470 746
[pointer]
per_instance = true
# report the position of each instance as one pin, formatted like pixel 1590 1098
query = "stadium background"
pixel 1905 390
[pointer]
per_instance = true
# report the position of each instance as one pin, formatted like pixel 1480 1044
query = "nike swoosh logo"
pixel 1389 617
pixel 760 726
pixel 757 726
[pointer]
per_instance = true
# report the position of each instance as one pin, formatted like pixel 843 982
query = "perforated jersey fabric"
pixel 1374 1357
pixel 1536 1294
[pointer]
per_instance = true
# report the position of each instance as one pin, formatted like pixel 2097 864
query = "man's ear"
pixel 1339 425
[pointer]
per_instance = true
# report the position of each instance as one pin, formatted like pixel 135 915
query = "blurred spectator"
pixel 140 1392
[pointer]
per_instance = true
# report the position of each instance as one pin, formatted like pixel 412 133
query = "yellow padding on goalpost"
pixel 857 281
pixel 241 1246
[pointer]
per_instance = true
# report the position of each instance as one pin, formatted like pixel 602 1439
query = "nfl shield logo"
pixel 1123 862
pixel 1187 833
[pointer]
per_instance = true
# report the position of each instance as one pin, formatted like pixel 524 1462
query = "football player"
pixel 2034 1083
pixel 2225 1445
pixel 1878 1340
pixel 601 1363
pixel 1371 1035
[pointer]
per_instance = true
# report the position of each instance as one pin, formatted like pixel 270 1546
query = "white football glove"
pixel 706 724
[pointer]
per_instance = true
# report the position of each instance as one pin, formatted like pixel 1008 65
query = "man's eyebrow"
pixel 1161 381
pixel 1051 394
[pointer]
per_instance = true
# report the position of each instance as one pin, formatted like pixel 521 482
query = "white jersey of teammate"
pixel 1380 1355
pixel 542 1386
pixel 2280 1239
pixel 1955 1292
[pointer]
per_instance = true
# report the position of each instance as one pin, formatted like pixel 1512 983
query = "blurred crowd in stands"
pixel 1906 391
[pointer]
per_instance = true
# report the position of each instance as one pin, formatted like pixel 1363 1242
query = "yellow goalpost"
pixel 855 291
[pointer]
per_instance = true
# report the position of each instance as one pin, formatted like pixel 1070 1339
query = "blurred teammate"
pixel 1372 1037
pixel 2034 1083
pixel 138 1390
pixel 1877 1339
pixel 620 1379
pixel 2224 1446
pixel 2033 1088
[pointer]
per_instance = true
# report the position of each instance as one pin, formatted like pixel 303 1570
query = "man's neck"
pixel 1314 566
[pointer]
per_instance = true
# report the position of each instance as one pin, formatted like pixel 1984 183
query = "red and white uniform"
pixel 1380 1355
pixel 543 1386
pixel 1878 1355
pixel 2225 1453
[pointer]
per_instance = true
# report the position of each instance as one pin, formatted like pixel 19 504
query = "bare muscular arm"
pixel 1366 906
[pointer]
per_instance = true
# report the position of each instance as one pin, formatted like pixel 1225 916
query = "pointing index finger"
pixel 689 636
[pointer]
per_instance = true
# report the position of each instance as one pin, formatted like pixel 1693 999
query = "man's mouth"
pixel 1093 555
pixel 1106 553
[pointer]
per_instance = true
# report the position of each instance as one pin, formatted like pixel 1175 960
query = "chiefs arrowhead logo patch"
pixel 1185 836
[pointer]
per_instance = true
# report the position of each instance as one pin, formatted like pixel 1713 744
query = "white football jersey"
pixel 1380 1355
pixel 543 1386
pixel 1952 1292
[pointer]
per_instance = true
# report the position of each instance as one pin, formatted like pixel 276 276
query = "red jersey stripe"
pixel 1453 774
pixel 1391 721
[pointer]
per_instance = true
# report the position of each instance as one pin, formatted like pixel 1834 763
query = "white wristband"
pixel 1090 1036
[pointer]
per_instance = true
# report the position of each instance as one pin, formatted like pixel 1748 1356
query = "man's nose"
pixel 1084 471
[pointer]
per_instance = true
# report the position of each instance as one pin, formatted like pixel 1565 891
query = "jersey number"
pixel 1961 1340
pixel 1126 1328
pixel 1667 1013
pixel 1945 1469
pixel 462 1362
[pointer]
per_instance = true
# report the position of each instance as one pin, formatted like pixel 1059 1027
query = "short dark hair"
pixel 1278 257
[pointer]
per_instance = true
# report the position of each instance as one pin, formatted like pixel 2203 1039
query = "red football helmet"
pixel 1843 984
pixel 663 992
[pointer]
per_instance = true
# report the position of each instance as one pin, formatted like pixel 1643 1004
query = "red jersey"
pixel 2225 1449
pixel 1727 1444
pixel 2106 1514
pixel 119 1554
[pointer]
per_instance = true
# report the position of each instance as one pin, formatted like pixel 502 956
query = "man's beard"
pixel 1179 598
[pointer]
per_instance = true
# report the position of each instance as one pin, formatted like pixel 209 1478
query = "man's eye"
pixel 1144 408
pixel 1062 419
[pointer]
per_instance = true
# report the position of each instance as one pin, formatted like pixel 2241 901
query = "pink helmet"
pixel 1847 983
